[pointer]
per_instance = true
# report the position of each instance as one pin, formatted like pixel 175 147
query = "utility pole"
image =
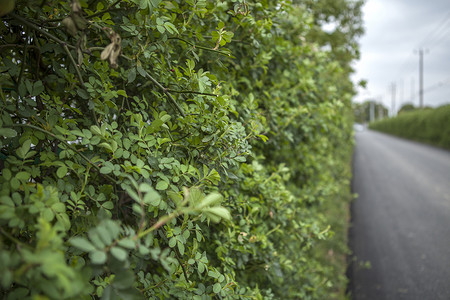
pixel 413 90
pixel 393 91
pixel 421 53
pixel 401 91
pixel 372 110
pixel 380 108
pixel 421 77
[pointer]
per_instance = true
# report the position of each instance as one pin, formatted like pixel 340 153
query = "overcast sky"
pixel 395 29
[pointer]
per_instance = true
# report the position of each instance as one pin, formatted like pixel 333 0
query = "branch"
pixel 51 36
pixel 200 47
pixel 163 220
pixel 193 92
pixel 13 239
pixel 18 46
pixel 166 91
pixel 110 8
pixel 80 78
pixel 35 27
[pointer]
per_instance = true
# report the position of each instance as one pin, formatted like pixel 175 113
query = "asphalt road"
pixel 400 220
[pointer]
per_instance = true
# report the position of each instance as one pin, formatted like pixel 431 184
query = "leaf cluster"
pixel 171 150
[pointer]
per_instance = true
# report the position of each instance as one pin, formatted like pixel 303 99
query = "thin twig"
pixel 166 91
pixel 110 8
pixel 18 46
pixel 193 92
pixel 200 47
pixel 163 220
pixel 80 78
pixel 22 69
pixel 35 27
pixel 51 36
pixel 13 239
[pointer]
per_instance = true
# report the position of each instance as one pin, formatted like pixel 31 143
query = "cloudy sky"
pixel 395 31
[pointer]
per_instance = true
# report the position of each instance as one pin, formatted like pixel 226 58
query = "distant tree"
pixel 346 15
pixel 407 107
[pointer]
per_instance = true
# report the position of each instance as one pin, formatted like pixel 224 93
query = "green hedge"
pixel 431 126
pixel 183 149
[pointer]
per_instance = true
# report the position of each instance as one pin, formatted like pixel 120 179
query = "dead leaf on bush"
pixel 75 21
pixel 113 50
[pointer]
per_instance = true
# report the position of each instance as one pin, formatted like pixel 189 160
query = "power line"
pixel 438 28
pixel 440 38
pixel 435 86
pixel 434 36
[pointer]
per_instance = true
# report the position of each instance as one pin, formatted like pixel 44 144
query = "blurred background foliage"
pixel 175 149
pixel 426 125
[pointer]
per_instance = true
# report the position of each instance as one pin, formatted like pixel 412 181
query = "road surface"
pixel 400 220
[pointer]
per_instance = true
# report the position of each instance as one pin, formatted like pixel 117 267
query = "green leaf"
pixel 83 94
pixel 122 93
pixel 119 253
pixel 201 267
pixel 61 172
pixel 108 205
pixel 127 243
pixel 141 71
pixel 95 239
pixel 162 185
pixel 155 3
pixel 160 28
pixel 106 170
pixel 48 214
pixel 23 176
pixel 7 174
pixel 8 132
pixel 15 183
pixel 113 228
pixel 96 130
pixel 172 242
pixel 131 75
pixel 22 151
pixel 98 257
pixel 175 197
pixel 180 247
pixel 212 199
pixel 82 244
pixel 104 234
pixel 143 4
pixel 217 213
pixel 38 88
pixel 152 197
pixel 217 288
pixel 59 207
pixel 240 159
